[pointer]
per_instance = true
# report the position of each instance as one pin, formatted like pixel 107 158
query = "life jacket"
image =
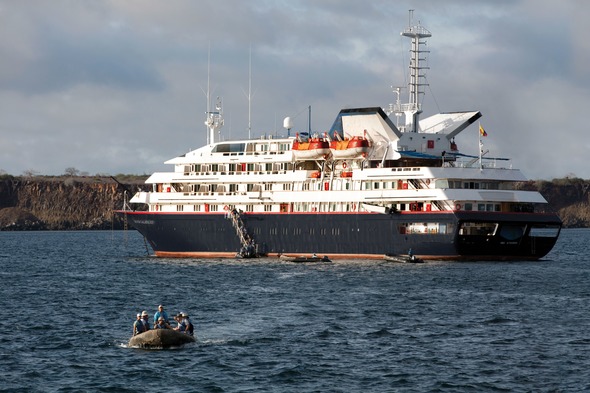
pixel 189 328
pixel 138 327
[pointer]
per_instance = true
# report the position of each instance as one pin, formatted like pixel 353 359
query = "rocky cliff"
pixel 55 203
pixel 569 197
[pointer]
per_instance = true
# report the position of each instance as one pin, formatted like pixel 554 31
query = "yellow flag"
pixel 482 132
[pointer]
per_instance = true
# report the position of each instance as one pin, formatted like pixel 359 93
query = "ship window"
pixel 197 208
pixel 267 208
pixel 512 232
pixel 229 148
pixel 478 228
pixel 179 208
pixel 375 185
pixel 490 207
pixel 367 185
pixel 468 206
pixel 262 147
pixel 544 231
pixel 267 186
pixel 425 228
pixel 249 208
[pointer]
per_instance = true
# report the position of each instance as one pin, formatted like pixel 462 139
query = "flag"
pixel 482 132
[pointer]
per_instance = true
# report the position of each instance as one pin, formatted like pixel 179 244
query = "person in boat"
pixel 160 313
pixel 145 320
pixel 188 325
pixel 161 324
pixel 411 254
pixel 138 326
pixel 179 325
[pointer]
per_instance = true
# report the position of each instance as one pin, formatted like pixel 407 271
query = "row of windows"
pixel 260 147
pixel 474 185
pixel 238 167
pixel 426 228
pixel 297 207
pixel 481 207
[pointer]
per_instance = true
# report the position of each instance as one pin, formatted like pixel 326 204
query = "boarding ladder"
pixel 249 246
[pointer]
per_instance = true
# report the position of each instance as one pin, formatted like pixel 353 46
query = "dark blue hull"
pixel 345 235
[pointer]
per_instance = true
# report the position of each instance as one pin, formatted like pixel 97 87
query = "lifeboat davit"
pixel 313 149
pixel 349 148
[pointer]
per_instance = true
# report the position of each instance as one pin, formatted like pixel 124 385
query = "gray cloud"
pixel 118 87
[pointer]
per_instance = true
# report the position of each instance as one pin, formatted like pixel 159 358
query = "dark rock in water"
pixel 160 338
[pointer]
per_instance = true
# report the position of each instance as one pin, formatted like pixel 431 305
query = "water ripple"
pixel 267 326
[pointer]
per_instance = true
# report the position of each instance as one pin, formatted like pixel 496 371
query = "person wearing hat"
pixel 160 313
pixel 188 325
pixel 161 324
pixel 179 326
pixel 144 319
pixel 138 326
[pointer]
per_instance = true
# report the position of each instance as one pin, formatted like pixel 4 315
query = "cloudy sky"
pixel 119 86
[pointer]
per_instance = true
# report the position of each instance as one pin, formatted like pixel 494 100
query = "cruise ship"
pixel 379 182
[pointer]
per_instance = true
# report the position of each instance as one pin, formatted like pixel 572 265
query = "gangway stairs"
pixel 249 247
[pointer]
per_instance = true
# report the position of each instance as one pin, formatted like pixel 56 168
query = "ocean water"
pixel 69 300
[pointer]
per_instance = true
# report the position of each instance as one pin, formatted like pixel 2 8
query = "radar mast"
pixel 413 108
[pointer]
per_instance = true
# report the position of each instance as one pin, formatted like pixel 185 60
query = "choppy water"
pixel 69 300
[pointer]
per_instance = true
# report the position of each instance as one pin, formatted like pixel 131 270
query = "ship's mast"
pixel 214 119
pixel 417 76
pixel 250 95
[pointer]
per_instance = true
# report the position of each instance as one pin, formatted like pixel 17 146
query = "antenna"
pixel 250 95
pixel 214 119
pixel 209 140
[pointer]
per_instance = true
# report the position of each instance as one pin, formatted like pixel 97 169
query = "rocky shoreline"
pixel 89 203
pixel 63 203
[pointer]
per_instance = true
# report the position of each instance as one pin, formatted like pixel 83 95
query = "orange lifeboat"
pixel 350 148
pixel 346 174
pixel 314 148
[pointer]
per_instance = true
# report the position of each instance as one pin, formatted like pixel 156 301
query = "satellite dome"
pixel 288 123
